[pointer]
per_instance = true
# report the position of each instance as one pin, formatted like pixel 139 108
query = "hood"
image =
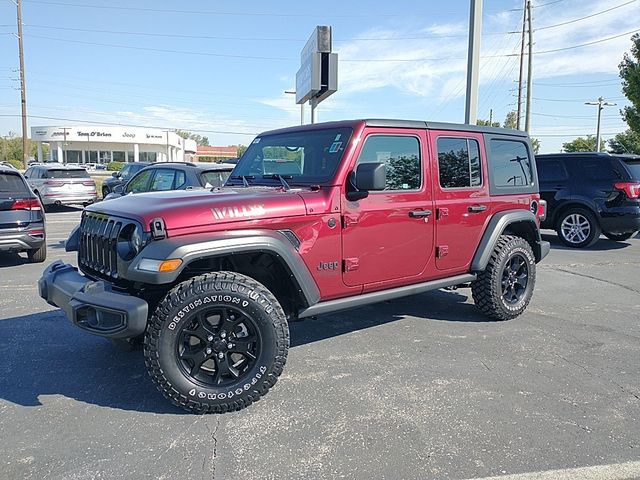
pixel 194 208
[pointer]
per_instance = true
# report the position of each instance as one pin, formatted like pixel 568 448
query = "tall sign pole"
pixel 521 76
pixel 23 91
pixel 473 62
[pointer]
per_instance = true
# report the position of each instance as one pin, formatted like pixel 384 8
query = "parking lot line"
pixel 614 471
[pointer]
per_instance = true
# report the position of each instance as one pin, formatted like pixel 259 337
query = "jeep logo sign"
pixel 245 211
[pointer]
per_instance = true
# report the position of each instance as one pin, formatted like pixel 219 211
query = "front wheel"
pixel 216 343
pixel 619 237
pixel 504 289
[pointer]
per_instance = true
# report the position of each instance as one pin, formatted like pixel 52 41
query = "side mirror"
pixel 116 174
pixel 118 189
pixel 367 177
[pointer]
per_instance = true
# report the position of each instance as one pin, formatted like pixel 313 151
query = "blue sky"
pixel 221 68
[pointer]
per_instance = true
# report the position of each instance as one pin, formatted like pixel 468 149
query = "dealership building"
pixel 99 144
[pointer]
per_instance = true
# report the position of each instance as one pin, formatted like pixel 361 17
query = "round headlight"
pixel 136 240
pixel 129 242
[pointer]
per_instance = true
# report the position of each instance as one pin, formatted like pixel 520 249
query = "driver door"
pixel 388 236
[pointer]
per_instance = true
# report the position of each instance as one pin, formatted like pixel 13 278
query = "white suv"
pixel 60 184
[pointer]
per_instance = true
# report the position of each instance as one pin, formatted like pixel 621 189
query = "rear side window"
pixel 66 173
pixel 599 169
pixel 510 165
pixel 634 168
pixel 459 163
pixel 12 184
pixel 401 156
pixel 551 171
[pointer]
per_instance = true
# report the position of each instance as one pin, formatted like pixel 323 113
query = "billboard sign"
pixel 318 74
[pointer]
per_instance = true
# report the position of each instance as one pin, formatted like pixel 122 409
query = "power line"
pixel 596 83
pixel 260 39
pixel 586 17
pixel 587 44
pixel 571 101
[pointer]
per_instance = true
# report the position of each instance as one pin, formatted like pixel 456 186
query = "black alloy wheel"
pixel 218 347
pixel 515 277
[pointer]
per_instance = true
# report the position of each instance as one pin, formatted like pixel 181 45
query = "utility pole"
pixel 601 103
pixel 491 117
pixel 473 62
pixel 520 78
pixel 527 121
pixel 23 92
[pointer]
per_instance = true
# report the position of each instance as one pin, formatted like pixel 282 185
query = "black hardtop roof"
pixel 396 123
pixel 601 155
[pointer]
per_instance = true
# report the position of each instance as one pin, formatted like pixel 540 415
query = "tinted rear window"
pixel 66 173
pixel 11 183
pixel 551 171
pixel 634 169
pixel 510 164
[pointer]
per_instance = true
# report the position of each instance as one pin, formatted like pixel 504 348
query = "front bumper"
pixel 93 305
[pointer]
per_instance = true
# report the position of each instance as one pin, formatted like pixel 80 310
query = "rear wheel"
pixel 619 237
pixel 39 255
pixel 578 228
pixel 216 343
pixel 504 289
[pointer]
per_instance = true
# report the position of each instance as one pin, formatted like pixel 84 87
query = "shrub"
pixel 16 163
pixel 115 166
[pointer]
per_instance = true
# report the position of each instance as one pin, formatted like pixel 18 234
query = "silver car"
pixel 58 184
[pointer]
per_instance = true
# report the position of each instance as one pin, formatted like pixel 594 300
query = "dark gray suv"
pixel 21 217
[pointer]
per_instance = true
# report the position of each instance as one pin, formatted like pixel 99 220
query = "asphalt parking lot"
pixel 422 387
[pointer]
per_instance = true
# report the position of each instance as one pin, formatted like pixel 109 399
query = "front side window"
pixel 459 163
pixel 304 157
pixel 140 182
pixel 401 156
pixel 510 164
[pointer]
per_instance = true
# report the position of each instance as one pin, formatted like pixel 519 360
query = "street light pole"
pixel 293 92
pixel 601 103
pixel 23 88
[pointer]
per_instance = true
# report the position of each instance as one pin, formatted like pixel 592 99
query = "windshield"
pixel 66 173
pixel 215 178
pixel 308 157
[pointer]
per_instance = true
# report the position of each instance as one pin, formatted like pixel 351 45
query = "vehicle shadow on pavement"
pixel 602 245
pixel 441 305
pixel 43 355
pixel 13 259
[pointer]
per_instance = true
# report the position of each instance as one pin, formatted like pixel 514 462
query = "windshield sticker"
pixel 257 140
pixel 335 146
pixel 338 136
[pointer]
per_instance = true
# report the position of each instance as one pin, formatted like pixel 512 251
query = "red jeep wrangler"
pixel 314 219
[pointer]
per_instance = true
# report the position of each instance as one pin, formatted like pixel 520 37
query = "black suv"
pixel 122 177
pixel 21 217
pixel 165 176
pixel 590 193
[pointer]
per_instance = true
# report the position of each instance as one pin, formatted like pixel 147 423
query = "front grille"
pixel 98 251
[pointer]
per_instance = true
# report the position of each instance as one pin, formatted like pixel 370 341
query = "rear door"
pixel 389 234
pixel 554 181
pixel 463 204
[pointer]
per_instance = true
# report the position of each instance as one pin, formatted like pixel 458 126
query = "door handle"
pixel 419 213
pixel 477 208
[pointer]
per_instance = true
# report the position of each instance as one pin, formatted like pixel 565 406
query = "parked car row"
pixel 58 184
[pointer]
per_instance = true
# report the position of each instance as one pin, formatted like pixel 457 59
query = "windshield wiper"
pixel 284 183
pixel 244 178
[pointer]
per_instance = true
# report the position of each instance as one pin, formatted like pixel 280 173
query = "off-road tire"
pixel 619 237
pixel 190 301
pixel 594 228
pixel 39 255
pixel 487 288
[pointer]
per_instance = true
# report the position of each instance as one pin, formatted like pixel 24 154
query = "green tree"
pixel 241 149
pixel 199 139
pixel 535 143
pixel 511 120
pixel 630 75
pixel 625 142
pixel 582 144
pixel 487 123
pixel 11 149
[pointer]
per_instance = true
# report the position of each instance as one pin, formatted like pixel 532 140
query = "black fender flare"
pixel 190 248
pixel 496 227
